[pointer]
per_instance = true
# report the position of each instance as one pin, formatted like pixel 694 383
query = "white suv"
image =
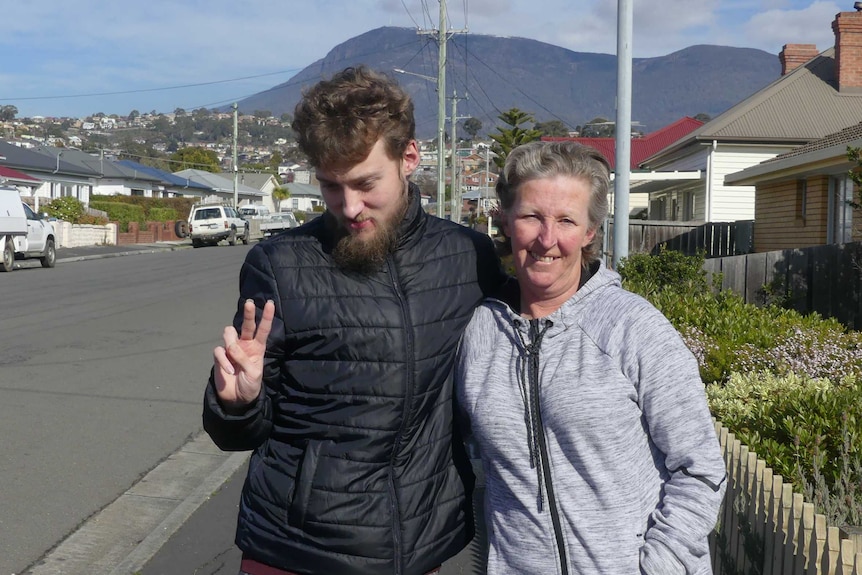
pixel 211 223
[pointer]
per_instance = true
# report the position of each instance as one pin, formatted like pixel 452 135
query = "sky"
pixel 80 57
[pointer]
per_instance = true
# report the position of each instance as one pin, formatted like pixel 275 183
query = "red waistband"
pixel 253 567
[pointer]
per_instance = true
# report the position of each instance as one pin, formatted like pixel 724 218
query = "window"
pixel 801 201
pixel 840 226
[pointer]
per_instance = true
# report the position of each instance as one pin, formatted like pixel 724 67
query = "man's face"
pixel 368 201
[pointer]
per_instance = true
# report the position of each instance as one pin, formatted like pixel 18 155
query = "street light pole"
pixel 235 168
pixel 441 110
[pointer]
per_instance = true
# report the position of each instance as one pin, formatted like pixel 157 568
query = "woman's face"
pixel 549 226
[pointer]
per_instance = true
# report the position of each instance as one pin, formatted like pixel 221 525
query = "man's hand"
pixel 239 363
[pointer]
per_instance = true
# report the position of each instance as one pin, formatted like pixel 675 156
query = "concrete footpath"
pixel 179 519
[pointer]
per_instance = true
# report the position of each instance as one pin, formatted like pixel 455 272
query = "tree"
pixel 134 114
pixel 275 160
pixel 599 127
pixel 507 139
pixel 472 127
pixel 280 194
pixel 554 128
pixel 195 158
pixel 8 112
pixel 702 117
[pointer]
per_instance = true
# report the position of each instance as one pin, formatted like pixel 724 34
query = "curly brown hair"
pixel 339 120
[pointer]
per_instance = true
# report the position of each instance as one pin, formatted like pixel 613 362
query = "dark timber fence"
pixel 716 239
pixel 824 279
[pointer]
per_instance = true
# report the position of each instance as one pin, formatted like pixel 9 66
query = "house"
pixel 57 177
pixel 264 182
pixel 642 148
pixel 172 186
pixel 816 95
pixel 303 197
pixel 110 178
pixel 221 188
pixel 802 197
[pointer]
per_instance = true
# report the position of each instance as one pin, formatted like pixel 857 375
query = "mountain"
pixel 552 83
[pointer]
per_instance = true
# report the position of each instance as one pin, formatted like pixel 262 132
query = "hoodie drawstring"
pixel 529 386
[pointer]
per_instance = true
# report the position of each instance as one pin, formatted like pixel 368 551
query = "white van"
pixel 23 233
pixel 253 211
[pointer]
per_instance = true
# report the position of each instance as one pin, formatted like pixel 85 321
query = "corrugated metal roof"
pixel 165 177
pixel 27 159
pixel 10 174
pixel 102 166
pixel 641 148
pixel 255 180
pixel 801 106
pixel 216 182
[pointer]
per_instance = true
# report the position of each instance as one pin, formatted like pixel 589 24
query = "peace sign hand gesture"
pixel 239 363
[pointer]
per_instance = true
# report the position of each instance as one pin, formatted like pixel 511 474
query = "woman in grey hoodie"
pixel 599 450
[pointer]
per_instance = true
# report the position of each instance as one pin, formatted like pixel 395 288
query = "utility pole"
pixel 235 168
pixel 442 38
pixel 456 195
pixel 622 160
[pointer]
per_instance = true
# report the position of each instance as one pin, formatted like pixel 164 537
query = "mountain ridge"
pixel 550 82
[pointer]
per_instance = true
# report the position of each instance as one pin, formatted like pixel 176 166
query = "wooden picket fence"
pixel 764 528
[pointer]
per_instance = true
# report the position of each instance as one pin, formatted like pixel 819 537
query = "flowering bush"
pixel 67 208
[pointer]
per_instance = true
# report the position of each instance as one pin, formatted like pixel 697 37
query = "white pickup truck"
pixel 277 222
pixel 23 233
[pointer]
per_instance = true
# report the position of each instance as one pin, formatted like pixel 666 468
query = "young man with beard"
pixel 337 371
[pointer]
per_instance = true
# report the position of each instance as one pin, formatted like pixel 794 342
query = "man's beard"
pixel 365 256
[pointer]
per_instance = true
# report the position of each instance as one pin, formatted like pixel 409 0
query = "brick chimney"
pixel 794 55
pixel 848 51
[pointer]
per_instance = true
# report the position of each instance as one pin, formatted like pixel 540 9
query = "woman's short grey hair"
pixel 541 160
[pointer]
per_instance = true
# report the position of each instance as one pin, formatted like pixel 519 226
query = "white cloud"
pixel 772 29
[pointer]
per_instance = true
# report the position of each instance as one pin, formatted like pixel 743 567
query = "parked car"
pixel 277 222
pixel 256 211
pixel 24 233
pixel 211 223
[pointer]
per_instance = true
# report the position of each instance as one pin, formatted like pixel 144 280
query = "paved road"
pixel 102 364
pixel 95 487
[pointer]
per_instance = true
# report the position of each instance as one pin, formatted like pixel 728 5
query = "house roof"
pixel 15 175
pixel 216 182
pixel 643 147
pixel 101 166
pixel 29 160
pixel 253 179
pixel 798 107
pixel 304 190
pixel 167 178
pixel 826 155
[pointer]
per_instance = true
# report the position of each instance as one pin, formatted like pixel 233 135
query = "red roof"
pixel 10 174
pixel 642 148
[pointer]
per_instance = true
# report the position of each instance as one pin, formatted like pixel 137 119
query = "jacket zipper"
pixel 408 400
pixel 545 464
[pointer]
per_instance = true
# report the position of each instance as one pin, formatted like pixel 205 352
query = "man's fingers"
pixel 265 325
pixel 248 319
pixel 222 362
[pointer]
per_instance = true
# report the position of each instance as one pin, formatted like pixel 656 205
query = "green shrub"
pixel 728 335
pixel 121 212
pixel 153 207
pixel 163 215
pixel 68 209
pixel 806 429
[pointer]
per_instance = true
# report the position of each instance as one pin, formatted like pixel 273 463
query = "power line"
pixel 143 90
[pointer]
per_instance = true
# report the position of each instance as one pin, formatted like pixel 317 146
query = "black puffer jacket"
pixel 356 468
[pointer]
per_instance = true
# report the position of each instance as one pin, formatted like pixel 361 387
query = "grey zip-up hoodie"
pixel 599 450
